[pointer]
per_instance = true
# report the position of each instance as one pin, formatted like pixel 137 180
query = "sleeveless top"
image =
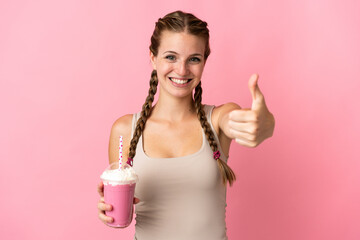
pixel 180 198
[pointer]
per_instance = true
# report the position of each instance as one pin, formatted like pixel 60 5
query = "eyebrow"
pixel 195 54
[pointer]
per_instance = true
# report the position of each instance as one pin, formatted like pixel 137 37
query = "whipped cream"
pixel 119 176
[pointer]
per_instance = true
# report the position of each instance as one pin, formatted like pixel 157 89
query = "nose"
pixel 182 68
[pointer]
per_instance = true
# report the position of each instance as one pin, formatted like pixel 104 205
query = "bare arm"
pixel 121 127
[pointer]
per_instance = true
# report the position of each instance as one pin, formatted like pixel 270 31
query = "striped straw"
pixel 120 150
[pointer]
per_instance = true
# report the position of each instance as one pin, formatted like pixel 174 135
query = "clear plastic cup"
pixel 119 189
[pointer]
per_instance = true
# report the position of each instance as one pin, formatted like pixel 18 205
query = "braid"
pixel 226 172
pixel 145 113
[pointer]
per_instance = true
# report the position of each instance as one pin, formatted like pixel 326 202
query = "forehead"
pixel 182 43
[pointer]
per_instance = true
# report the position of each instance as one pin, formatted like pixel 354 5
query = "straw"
pixel 120 150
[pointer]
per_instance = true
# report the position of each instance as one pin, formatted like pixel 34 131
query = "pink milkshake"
pixel 119 188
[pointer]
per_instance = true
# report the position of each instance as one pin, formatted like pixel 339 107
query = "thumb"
pixel 257 96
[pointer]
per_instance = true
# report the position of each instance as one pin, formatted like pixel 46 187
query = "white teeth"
pixel 178 81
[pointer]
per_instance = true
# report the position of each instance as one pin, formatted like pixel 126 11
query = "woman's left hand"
pixel 250 127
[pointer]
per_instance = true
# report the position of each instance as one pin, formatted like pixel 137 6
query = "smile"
pixel 180 81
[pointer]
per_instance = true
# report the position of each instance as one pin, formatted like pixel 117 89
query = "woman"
pixel 180 147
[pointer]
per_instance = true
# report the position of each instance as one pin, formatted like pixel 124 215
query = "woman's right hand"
pixel 102 206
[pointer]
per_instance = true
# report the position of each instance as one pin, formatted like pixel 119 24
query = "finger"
pixel 258 100
pixel 252 84
pixel 100 189
pixel 243 115
pixel 105 219
pixel 246 143
pixel 254 87
pixel 104 207
pixel 136 200
pixel 246 127
pixel 243 135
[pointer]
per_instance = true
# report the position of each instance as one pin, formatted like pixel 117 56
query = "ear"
pixel 153 60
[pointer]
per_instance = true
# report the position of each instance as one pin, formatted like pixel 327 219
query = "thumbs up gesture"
pixel 249 127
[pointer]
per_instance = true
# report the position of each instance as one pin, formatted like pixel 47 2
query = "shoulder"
pixel 226 107
pixel 221 111
pixel 122 125
pixel 219 114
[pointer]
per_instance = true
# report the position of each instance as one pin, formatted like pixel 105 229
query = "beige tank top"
pixel 181 198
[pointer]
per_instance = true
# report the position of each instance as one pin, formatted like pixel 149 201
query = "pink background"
pixel 68 69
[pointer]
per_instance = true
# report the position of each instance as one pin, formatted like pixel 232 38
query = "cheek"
pixel 164 67
pixel 198 70
pixel 164 71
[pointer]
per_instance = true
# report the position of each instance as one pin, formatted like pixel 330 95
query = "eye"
pixel 195 59
pixel 170 57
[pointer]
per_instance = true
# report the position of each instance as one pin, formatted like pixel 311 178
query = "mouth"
pixel 180 81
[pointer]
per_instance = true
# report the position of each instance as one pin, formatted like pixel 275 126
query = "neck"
pixel 174 109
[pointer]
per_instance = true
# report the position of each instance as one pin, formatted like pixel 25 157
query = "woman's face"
pixel 179 63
